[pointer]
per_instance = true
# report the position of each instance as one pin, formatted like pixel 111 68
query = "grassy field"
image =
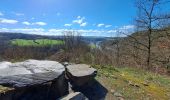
pixel 133 84
pixel 37 42
pixel 92 46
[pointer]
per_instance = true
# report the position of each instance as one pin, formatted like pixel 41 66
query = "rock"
pixel 80 74
pixel 65 64
pixel 74 96
pixel 112 91
pixel 34 79
pixel 133 84
pixel 4 64
pixel 30 67
pixel 145 83
pixel 120 98
pixel 117 94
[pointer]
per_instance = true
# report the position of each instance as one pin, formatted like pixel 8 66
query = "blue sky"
pixel 51 17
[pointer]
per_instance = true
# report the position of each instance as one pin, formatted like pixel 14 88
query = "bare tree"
pixel 117 43
pixel 75 48
pixel 148 21
pixel 72 39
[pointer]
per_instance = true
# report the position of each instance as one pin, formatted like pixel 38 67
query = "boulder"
pixel 80 74
pixel 74 96
pixel 30 67
pixel 4 64
pixel 33 79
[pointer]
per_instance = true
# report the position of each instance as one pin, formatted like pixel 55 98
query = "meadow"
pixel 37 42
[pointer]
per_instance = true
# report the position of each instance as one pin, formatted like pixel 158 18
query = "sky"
pixel 52 17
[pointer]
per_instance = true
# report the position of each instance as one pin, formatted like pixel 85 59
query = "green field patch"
pixel 37 42
pixel 92 46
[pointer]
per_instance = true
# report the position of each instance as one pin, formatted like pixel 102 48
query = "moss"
pixel 135 84
pixel 5 89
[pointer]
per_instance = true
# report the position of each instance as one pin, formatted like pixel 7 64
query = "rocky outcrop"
pixel 33 80
pixel 80 74
pixel 46 80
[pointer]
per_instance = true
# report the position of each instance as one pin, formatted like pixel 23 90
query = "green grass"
pixel 92 46
pixel 135 84
pixel 37 42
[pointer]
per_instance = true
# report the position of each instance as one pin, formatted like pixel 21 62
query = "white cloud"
pixel 26 23
pixel 103 25
pixel 83 24
pixel 91 32
pixel 127 27
pixel 1 14
pixel 39 23
pixel 29 30
pixel 67 25
pixel 81 21
pixel 41 31
pixel 8 21
pixel 35 23
pixel 112 31
pixel 38 31
pixel 78 17
pixel 100 25
pixel 82 32
pixel 107 26
pixel 25 29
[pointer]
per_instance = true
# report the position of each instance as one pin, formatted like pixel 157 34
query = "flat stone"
pixel 5 64
pixel 29 72
pixel 80 70
pixel 30 67
pixel 117 94
pixel 74 96
pixel 80 74
pixel 39 76
pixel 27 80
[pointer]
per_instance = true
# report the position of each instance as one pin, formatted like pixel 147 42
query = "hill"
pixel 132 50
pixel 5 36
pixel 19 46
